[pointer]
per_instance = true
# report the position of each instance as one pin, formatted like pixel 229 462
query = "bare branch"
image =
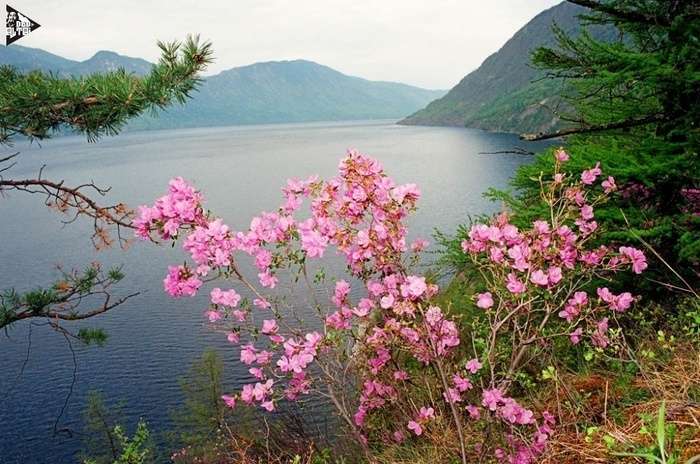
pixel 515 150
pixel 628 123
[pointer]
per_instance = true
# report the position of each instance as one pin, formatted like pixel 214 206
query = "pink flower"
pixel 342 289
pixel 426 413
pixel 561 155
pixel 619 303
pixel 599 336
pixel 267 279
pixel 181 282
pixel 226 298
pixel 575 336
pixel 263 357
pixel 213 316
pixel 491 398
pixel 636 257
pixel 363 307
pixel 261 303
pixel 452 395
pixel 415 427
pixel 312 242
pixel 485 300
pixel 570 312
pixel 514 285
pixel 269 327
pixel 587 212
pixel 460 383
pixel 589 176
pixel 419 245
pixel 554 275
pixel 359 417
pixel 233 337
pixel 473 411
pixel 414 287
pixel 387 301
pixel 400 375
pixel 609 184
pixel 268 405
pixel 624 301
pixel 229 401
pixel 579 299
pixel 398 436
pixel 247 393
pixel 402 193
pixel 433 315
pixel 540 278
pixel 257 373
pixel 248 355
pixel 541 227
pixel 473 365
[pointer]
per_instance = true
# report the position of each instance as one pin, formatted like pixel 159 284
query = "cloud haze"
pixel 430 43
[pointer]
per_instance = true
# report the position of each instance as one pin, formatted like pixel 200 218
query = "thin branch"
pixel 515 150
pixel 628 123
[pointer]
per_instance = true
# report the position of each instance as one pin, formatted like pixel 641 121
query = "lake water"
pixel 154 339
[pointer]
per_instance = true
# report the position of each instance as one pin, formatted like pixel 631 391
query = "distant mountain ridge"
pixel 27 59
pixel 261 93
pixel 504 93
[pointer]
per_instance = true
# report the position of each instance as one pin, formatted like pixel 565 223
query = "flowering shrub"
pixel 394 341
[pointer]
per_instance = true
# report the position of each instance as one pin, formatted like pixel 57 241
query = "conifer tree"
pixel 635 107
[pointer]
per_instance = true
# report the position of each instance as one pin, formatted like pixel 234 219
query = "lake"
pixel 154 339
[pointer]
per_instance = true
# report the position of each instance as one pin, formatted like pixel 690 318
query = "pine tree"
pixel 636 108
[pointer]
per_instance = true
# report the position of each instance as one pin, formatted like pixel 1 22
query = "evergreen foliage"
pixel 37 104
pixel 636 108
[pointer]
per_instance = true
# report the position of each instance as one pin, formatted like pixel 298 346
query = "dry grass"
pixel 677 383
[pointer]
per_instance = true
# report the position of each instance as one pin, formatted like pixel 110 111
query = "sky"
pixel 428 43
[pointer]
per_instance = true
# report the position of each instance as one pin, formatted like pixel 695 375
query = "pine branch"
pixel 37 104
pixel 625 15
pixel 64 299
pixel 76 201
pixel 629 123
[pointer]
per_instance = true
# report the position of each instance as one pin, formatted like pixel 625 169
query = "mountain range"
pixel 506 93
pixel 261 93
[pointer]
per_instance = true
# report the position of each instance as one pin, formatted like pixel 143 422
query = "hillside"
pixel 504 93
pixel 261 93
pixel 28 59
pixel 292 91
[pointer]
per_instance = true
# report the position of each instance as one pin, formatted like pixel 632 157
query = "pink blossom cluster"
pixel 392 317
pixel 521 451
pixel 532 265
pixel 180 206
pixel 359 213
pixel 425 414
pixel 508 410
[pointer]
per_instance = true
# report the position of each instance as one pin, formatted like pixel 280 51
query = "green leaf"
pixel 661 431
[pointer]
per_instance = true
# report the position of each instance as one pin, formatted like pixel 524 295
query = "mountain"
pixel 261 93
pixel 293 91
pixel 27 59
pixel 505 93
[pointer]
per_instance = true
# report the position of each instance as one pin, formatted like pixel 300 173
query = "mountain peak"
pixel 283 91
pixel 102 54
pixel 504 94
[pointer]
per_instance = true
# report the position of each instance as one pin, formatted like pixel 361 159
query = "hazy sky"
pixel 430 43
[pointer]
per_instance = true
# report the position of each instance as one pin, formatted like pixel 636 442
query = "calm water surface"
pixel 154 339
